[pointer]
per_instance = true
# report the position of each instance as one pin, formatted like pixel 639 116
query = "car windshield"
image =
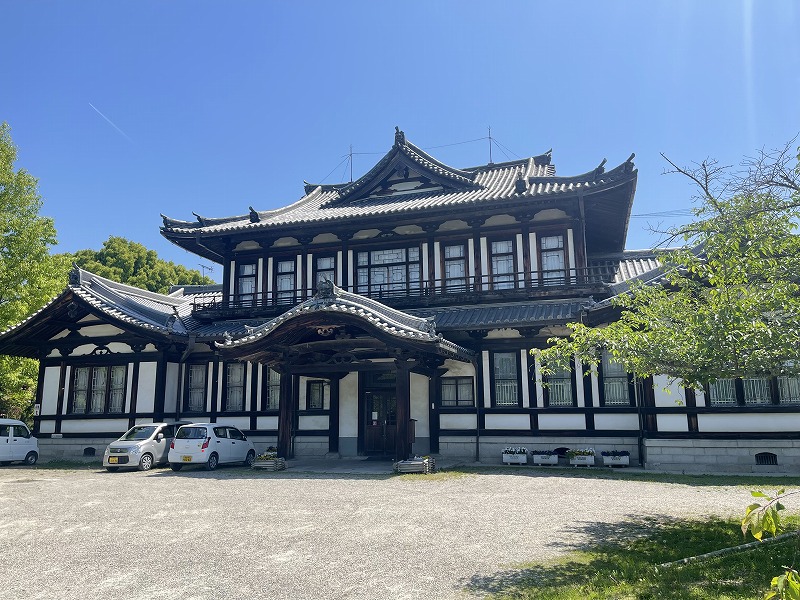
pixel 141 432
pixel 191 433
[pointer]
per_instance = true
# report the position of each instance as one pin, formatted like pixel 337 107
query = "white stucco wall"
pixel 748 422
pixel 457 421
pixel 672 423
pixel 94 425
pixel 171 388
pixel 313 422
pixel 419 404
pixel 50 390
pixel 146 391
pixel 348 406
pixel 505 421
pixel 571 421
pixel 616 421
pixel 668 391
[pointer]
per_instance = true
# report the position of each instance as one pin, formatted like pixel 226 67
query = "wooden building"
pixel 391 316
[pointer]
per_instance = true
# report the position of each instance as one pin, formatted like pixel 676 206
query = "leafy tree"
pixel 728 302
pixel 29 275
pixel 131 263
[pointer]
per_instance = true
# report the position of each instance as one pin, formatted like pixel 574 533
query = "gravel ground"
pixel 234 533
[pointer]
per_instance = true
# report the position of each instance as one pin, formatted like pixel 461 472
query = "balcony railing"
pixel 510 286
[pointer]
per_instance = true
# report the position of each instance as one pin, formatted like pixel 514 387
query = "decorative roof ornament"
pixel 254 216
pixel 75 275
pixel 629 163
pixel 601 168
pixel 399 137
pixel 325 289
pixel 521 184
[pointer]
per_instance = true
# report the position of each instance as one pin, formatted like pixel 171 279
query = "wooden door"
pixel 380 425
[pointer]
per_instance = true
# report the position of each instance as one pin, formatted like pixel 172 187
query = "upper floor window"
pixel 325 267
pixel 315 395
pixel 246 285
pixel 285 281
pixel 502 263
pixel 389 272
pixel 234 387
pixel 553 261
pixel 457 391
pixel 99 389
pixel 559 388
pixel 506 382
pixel 455 268
pixel 615 382
pixel 197 388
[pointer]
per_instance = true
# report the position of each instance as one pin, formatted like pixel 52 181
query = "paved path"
pixel 352 531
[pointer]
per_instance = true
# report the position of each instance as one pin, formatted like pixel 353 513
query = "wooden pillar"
pixel 403 392
pixel 286 411
pixel 333 414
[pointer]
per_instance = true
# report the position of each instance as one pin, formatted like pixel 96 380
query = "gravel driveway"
pixel 237 534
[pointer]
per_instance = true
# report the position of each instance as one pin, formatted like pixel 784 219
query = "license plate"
pixel 113 459
pixel 186 458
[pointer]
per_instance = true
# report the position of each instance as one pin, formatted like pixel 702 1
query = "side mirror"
pixel 159 436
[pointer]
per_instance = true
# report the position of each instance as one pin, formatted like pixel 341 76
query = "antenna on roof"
pixel 204 268
pixel 350 157
pixel 490 144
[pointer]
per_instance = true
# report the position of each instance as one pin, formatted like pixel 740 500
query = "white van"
pixel 17 443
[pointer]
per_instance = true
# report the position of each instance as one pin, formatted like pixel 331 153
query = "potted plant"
pixel 616 458
pixel 515 455
pixel 581 457
pixel 269 460
pixel 544 457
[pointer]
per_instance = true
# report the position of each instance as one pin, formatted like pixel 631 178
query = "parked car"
pixel 141 447
pixel 209 444
pixel 17 443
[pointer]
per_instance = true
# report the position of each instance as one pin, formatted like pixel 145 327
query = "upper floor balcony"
pixel 508 287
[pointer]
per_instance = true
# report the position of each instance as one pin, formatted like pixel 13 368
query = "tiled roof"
pixel 465 187
pixel 527 314
pixel 619 267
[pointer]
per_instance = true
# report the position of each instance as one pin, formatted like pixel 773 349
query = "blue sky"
pixel 125 110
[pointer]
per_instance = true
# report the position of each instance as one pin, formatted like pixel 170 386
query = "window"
pixel 457 391
pixel 502 265
pixel 97 390
pixel 756 391
pixel 506 385
pixel 455 268
pixel 20 431
pixel 285 281
pixel 235 434
pixel 315 395
pixel 722 393
pixel 553 262
pixel 559 388
pixel 393 272
pixel 246 285
pixel 273 389
pixel 197 388
pixel 615 382
pixel 326 269
pixel 221 432
pixel 234 387
pixel 789 390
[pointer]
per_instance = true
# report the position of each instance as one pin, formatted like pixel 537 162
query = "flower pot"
pixel 272 464
pixel 545 459
pixel 582 461
pixel 616 461
pixel 515 459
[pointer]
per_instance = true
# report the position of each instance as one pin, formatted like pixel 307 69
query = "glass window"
pixel 503 265
pixel 615 382
pixel 506 386
pixel 138 433
pixel 221 432
pixel 273 389
pixel 234 399
pixel 5 431
pixel 246 285
pixel 235 434
pixel 326 269
pixel 388 272
pixel 457 391
pixel 455 268
pixel 756 391
pixel 722 393
pixel 559 388
pixel 99 386
pixel 789 390
pixel 197 388
pixel 116 399
pixel 97 390
pixel 553 260
pixel 285 281
pixel 191 433
pixel 315 397
pixel 20 431
pixel 80 389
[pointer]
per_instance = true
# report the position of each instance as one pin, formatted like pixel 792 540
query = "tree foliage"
pixel 728 301
pixel 29 275
pixel 131 263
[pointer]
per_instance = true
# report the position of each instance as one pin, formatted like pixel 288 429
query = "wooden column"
pixel 287 407
pixel 403 392
pixel 333 414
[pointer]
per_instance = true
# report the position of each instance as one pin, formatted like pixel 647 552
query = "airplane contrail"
pixel 110 122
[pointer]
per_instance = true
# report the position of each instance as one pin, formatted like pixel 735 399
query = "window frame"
pixel 540 251
pixel 289 296
pixel 491 255
pixel 603 377
pixel 316 270
pixel 108 389
pixel 187 395
pixel 494 379
pixel 570 376
pixel 268 387
pixel 315 384
pixel 457 381
pixel 226 386
pixel 446 286
pixel 382 290
pixel 248 299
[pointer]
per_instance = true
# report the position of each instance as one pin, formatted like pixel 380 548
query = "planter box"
pixel 273 464
pixel 616 461
pixel 515 459
pixel 582 461
pixel 419 465
pixel 543 459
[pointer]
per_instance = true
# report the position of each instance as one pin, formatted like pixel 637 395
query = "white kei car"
pixel 209 444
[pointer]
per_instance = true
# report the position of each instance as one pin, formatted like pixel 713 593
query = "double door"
pixel 380 426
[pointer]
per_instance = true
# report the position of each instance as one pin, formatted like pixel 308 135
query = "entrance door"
pixel 380 426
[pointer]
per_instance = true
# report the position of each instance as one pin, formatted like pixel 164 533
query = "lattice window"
pixel 197 388
pixel 722 393
pixel 615 382
pixel 457 391
pixel 506 384
pixel 503 265
pixel 234 399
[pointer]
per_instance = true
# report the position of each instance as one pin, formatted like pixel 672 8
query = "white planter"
pixel 542 459
pixel 616 461
pixel 582 461
pixel 515 459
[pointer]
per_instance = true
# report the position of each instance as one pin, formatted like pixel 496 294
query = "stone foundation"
pixel 721 456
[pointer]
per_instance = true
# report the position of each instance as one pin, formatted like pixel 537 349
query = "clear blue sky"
pixel 125 110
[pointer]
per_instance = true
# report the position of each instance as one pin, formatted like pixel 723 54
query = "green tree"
pixel 29 275
pixel 131 263
pixel 728 303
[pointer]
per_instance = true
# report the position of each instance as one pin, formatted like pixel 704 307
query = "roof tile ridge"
pixel 401 318
pixel 47 304
pixel 121 288
pixel 420 153
pixel 124 303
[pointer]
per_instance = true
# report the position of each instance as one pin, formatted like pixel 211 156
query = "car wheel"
pixel 112 469
pixel 31 458
pixel 146 462
pixel 251 456
pixel 175 466
pixel 212 463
